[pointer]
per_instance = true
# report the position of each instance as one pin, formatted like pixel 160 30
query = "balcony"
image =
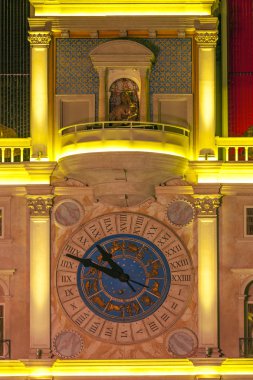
pixel 123 161
pixel 15 149
pixel 246 347
pixel 124 136
pixel 235 149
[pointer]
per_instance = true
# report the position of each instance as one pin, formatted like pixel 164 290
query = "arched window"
pixel 248 320
pixel 124 102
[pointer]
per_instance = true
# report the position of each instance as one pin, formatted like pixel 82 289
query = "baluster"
pixel 226 153
pixel 21 154
pixel 12 154
pixel 246 149
pixel 236 153
pixel 3 154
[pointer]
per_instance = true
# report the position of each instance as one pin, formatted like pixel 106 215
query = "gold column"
pixel 39 273
pixel 206 42
pixel 207 273
pixel 39 41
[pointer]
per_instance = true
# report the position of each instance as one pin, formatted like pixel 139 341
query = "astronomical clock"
pixel 121 279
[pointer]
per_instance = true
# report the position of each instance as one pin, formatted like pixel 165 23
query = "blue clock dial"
pixel 124 277
pixel 112 299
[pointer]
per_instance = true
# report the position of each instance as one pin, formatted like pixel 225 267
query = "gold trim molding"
pixel 41 38
pixel 206 37
pixel 40 205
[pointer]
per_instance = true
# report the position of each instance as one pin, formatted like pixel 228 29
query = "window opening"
pixel 248 215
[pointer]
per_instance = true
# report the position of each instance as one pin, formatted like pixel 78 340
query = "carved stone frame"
pixel 122 58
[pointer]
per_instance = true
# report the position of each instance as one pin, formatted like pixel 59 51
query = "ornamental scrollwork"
pixel 39 38
pixel 207 205
pixel 40 206
pixel 206 37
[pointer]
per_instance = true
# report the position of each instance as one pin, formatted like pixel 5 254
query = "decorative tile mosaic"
pixel 171 72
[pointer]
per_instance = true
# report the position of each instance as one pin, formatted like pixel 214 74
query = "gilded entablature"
pixel 207 205
pixel 40 205
pixel 41 38
pixel 206 37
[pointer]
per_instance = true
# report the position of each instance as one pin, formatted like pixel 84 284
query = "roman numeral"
pixel 66 264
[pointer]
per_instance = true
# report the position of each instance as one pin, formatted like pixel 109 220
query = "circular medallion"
pixel 67 344
pixel 127 278
pixel 182 343
pixel 67 213
pixel 180 212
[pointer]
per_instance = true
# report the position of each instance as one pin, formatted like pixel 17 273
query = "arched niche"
pixel 118 59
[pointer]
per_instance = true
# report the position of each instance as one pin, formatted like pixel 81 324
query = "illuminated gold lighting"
pixel 122 146
pixel 111 368
pixel 26 173
pixel 39 282
pixel 122 7
pixel 220 172
pixel 207 280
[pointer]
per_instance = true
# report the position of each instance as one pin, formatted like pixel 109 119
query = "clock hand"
pixel 123 277
pixel 138 283
pixel 108 257
pixel 110 272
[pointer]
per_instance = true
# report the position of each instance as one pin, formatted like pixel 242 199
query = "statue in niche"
pixel 124 102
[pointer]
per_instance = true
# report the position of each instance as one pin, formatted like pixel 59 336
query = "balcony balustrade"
pixel 246 347
pixel 233 149
pixel 15 149
pixel 124 125
pixel 109 136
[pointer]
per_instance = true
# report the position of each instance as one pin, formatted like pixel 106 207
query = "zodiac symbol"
pixel 116 247
pixel 155 289
pixel 113 307
pixel 99 301
pixel 154 270
pixel 91 286
pixel 132 308
pixel 146 300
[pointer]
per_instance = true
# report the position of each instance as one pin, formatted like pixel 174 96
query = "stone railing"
pixel 15 149
pixel 233 149
pixel 82 127
pixel 123 135
pixel 246 347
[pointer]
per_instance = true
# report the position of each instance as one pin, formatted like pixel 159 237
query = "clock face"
pixel 158 269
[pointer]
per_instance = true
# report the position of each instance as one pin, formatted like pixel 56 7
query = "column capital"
pixel 40 205
pixel 206 38
pixel 39 38
pixel 207 205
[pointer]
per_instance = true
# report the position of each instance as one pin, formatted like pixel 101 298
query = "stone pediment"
pixel 121 53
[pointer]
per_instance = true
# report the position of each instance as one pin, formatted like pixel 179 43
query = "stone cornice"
pixel 187 24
